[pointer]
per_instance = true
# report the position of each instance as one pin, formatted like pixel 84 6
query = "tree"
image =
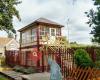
pixel 10 35
pixel 94 21
pixel 7 11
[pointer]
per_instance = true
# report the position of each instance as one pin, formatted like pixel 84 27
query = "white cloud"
pixel 59 11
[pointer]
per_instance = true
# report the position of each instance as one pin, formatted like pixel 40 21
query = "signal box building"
pixel 34 35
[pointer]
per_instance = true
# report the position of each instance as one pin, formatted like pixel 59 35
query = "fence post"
pixel 43 61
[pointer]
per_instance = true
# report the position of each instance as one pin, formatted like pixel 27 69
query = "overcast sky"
pixel 59 11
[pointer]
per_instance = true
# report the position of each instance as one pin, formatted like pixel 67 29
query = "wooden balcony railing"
pixel 54 41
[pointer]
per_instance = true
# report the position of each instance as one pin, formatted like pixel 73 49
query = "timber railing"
pixel 83 74
pixel 63 56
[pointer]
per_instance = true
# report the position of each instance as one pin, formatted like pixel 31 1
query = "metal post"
pixel 68 30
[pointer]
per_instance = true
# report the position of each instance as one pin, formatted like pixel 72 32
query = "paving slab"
pixel 37 76
pixel 12 74
pixel 19 76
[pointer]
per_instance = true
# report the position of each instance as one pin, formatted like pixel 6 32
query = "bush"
pixel 97 64
pixel 82 58
pixel 18 68
pixel 28 70
pixel 97 54
pixel 2 60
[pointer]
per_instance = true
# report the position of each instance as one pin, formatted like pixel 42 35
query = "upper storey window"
pixel 44 31
pixel 26 37
pixel 34 36
pixel 53 32
pixel 58 32
pixel 23 38
pixel 47 30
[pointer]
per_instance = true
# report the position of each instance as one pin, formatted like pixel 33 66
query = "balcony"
pixel 54 41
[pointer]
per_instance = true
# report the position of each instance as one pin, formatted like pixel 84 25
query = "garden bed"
pixel 2 77
pixel 24 70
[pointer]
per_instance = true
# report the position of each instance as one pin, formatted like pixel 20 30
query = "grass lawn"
pixel 3 77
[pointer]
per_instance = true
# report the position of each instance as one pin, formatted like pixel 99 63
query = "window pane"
pixel 42 31
pixel 47 31
pixel 33 36
pixel 34 32
pixel 52 32
pixel 42 28
pixel 28 36
pixel 58 31
pixel 23 37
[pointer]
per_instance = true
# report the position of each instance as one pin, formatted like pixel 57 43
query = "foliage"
pixel 2 60
pixel 3 77
pixel 82 58
pixel 18 68
pixel 94 21
pixel 24 70
pixel 29 70
pixel 7 11
pixel 10 35
pixel 97 54
pixel 97 64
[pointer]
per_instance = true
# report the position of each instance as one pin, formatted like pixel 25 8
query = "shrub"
pixel 2 59
pixel 97 64
pixel 82 58
pixel 18 68
pixel 24 70
pixel 97 54
pixel 29 70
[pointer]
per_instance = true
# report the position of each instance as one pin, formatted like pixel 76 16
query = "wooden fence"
pixel 80 73
pixel 12 58
pixel 63 56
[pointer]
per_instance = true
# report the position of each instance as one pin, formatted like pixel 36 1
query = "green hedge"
pixel 97 54
pixel 97 62
pixel 82 58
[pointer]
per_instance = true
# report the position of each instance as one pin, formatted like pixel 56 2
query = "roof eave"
pixel 26 26
pixel 51 24
pixel 37 22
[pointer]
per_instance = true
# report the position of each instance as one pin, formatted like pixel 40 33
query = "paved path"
pixel 12 74
pixel 37 76
pixel 18 76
